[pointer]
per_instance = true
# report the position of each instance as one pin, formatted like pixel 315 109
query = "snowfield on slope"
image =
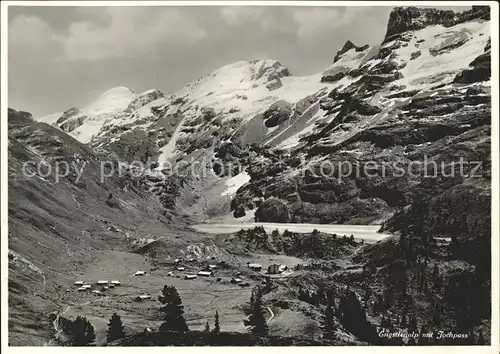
pixel 422 72
pixel 98 112
pixel 235 86
pixel 238 91
pixel 427 69
pixel 234 183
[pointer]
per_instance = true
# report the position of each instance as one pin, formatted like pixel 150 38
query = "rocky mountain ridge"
pixel 61 216
pixel 425 87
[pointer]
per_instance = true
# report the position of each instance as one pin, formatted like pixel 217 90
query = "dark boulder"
pixel 272 210
pixel 239 212
pixel 278 113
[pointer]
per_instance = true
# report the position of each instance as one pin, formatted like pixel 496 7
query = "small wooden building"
pixel 273 269
pixel 255 266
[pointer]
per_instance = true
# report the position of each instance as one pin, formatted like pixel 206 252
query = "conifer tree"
pixel 90 333
pixel 216 323
pixel 207 327
pixel 328 324
pixel 173 311
pixel 256 321
pixel 385 322
pixel 81 332
pixel 115 328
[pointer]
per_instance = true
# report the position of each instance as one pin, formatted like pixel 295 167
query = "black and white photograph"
pixel 250 174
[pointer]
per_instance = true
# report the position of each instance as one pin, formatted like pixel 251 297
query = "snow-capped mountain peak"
pixel 241 75
pixel 111 101
pixel 84 123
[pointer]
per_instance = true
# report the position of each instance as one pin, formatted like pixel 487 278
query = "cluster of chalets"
pixel 102 285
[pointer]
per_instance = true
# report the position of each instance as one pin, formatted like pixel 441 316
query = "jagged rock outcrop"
pixel 278 113
pixel 479 69
pixel 71 119
pixel 403 19
pixel 143 99
pixel 346 62
pixel 348 46
pixel 14 115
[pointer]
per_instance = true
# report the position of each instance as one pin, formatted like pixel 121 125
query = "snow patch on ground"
pixel 428 70
pixel 294 140
pixel 234 183
pixel 168 150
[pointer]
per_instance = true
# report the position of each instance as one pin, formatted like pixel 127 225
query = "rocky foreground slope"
pixel 57 225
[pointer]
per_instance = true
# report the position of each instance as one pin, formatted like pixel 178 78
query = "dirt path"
pixel 271 313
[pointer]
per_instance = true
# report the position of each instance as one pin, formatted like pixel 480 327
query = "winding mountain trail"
pixel 271 313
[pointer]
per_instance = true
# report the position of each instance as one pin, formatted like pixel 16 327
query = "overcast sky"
pixel 61 57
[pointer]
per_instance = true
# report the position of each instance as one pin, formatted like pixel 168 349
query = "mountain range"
pixel 275 145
